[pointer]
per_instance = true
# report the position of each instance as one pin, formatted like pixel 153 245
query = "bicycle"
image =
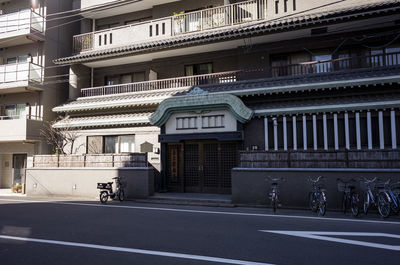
pixel 317 197
pixel 350 197
pixel 106 190
pixel 392 197
pixel 378 198
pixel 273 193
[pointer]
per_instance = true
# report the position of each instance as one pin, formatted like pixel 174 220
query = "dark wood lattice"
pixel 191 168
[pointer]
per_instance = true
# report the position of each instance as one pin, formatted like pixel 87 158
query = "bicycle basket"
pixel 103 186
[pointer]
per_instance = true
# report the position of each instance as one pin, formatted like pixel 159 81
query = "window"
pixel 198 69
pixel 214 121
pixel 112 144
pixel 186 123
pixel 14 111
pixel 18 59
pixel 124 78
pixel 107 26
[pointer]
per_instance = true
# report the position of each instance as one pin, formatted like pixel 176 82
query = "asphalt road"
pixel 39 232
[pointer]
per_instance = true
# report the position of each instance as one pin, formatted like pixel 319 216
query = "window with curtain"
pixel 127 144
pixel 111 144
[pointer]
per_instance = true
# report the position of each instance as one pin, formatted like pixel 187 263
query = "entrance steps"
pixel 195 199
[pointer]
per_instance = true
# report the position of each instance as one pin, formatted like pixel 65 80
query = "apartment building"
pixel 193 83
pixel 29 87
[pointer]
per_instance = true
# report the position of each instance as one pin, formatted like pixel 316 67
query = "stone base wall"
pixel 250 185
pixel 82 182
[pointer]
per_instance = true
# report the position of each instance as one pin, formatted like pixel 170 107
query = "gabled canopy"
pixel 199 101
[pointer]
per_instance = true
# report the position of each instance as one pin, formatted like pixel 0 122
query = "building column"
pixel 325 124
pixel 336 131
pixel 381 131
pixel 393 127
pixel 266 134
pixel 294 133
pixel 314 122
pixel 346 130
pixel 275 122
pixel 369 130
pixel 285 147
pixel 304 132
pixel 358 131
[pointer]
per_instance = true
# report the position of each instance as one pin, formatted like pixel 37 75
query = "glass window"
pixel 21 111
pixel 112 80
pixel 126 78
pixel 127 144
pixel 139 77
pixel 111 144
pixel 10 111
pixel 12 60
pixel 198 69
pixel 95 144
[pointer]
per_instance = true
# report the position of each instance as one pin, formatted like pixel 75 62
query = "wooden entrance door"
pixel 201 166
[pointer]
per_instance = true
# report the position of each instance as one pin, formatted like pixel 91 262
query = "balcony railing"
pixel 21 72
pixel 21 20
pixel 206 19
pixel 306 68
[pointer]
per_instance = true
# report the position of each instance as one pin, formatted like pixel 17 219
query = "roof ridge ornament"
pixel 197 91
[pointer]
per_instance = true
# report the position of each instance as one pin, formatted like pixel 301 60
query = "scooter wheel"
pixel 103 196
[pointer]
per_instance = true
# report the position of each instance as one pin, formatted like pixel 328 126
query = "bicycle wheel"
pixel 312 202
pixel 121 195
pixel 366 203
pixel 322 208
pixel 355 210
pixel 344 202
pixel 383 205
pixel 103 196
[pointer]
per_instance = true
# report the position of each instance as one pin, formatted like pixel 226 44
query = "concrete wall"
pixel 250 186
pixel 82 182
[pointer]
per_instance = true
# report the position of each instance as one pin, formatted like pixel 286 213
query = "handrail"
pixel 232 12
pixel 305 68
pixel 20 72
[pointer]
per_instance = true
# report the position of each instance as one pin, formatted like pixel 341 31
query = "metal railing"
pixel 176 82
pixel 21 117
pixel 21 72
pixel 326 66
pixel 23 19
pixel 306 68
pixel 206 19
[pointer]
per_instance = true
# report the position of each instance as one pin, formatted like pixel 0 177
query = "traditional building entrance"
pixel 203 166
pixel 200 139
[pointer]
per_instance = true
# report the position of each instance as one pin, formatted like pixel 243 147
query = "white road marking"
pixel 135 251
pixel 209 212
pixel 325 236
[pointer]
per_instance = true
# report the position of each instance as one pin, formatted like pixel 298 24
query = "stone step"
pixel 187 200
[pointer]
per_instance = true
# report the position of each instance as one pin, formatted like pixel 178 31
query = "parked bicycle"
pixel 106 190
pixel 273 193
pixel 375 197
pixel 392 193
pixel 351 198
pixel 317 197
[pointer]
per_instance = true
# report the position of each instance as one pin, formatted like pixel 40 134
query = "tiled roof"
pixel 343 10
pixel 133 99
pixel 104 120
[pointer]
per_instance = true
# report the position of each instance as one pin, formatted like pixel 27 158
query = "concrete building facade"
pixel 30 39
pixel 199 84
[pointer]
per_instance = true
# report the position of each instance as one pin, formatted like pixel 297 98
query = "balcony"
pixel 285 71
pixel 20 76
pixel 20 28
pixel 176 25
pixel 14 130
pixel 108 8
